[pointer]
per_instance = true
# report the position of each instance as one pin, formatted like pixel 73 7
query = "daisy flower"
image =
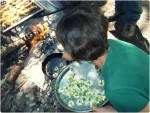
pixel 101 83
pixel 84 99
pixel 83 90
pixel 56 68
pixel 58 71
pixel 61 64
pixel 102 97
pixel 90 83
pixel 70 103
pixel 70 94
pixel 61 69
pixel 82 79
pixel 60 90
pixel 71 79
pixel 64 92
pixel 79 102
pixel 55 75
pixel 76 96
pixel 96 91
pixel 87 102
pixel 91 92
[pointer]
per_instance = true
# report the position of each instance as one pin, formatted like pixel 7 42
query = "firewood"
pixel 17 68
pixel 11 47
pixel 14 73
pixel 14 46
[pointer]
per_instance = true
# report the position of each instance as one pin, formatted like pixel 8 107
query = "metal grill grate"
pixel 23 18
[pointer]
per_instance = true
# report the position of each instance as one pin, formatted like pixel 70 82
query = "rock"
pixel 13 109
pixel 7 103
pixel 20 101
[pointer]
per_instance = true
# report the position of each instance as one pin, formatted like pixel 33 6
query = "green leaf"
pixel 99 104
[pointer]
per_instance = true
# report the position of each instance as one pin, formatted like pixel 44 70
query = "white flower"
pixel 84 99
pixel 64 92
pixel 70 79
pixel 76 96
pixel 60 90
pixel 61 64
pixel 103 92
pixel 61 69
pixel 102 97
pixel 70 94
pixel 101 83
pixel 55 75
pixel 97 100
pixel 87 103
pixel 96 91
pixel 90 92
pixel 83 89
pixel 90 83
pixel 82 79
pixel 56 68
pixel 91 102
pixel 79 102
pixel 70 103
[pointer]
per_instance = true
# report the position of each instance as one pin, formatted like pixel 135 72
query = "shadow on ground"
pixel 137 39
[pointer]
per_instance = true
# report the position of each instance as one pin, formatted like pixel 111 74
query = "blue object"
pixel 132 10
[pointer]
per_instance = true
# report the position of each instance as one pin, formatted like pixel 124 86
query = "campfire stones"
pixel 37 53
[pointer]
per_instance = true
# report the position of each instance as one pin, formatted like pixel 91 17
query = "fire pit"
pixel 29 89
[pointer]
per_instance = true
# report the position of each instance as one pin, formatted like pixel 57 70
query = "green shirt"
pixel 126 75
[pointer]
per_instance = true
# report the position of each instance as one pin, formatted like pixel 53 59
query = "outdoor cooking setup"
pixel 31 56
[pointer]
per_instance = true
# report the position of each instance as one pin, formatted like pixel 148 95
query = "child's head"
pixel 83 34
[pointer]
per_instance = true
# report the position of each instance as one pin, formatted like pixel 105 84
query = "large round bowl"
pixel 82 69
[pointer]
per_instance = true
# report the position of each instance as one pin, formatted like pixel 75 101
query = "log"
pixel 5 39
pixel 14 74
pixel 13 46
pixel 12 77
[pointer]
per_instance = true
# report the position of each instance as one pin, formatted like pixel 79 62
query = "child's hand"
pixel 67 57
pixel 103 109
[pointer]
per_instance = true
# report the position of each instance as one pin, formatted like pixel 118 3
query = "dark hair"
pixel 83 33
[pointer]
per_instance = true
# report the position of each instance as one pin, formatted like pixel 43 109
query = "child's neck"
pixel 100 61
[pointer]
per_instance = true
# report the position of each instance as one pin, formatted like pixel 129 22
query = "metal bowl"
pixel 83 69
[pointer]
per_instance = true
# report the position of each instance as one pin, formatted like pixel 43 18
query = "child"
pixel 83 34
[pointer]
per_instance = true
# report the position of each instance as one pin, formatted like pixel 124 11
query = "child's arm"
pixel 103 109
pixel 146 109
pixel 111 109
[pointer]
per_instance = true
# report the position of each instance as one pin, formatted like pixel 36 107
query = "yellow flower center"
pixel 101 98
